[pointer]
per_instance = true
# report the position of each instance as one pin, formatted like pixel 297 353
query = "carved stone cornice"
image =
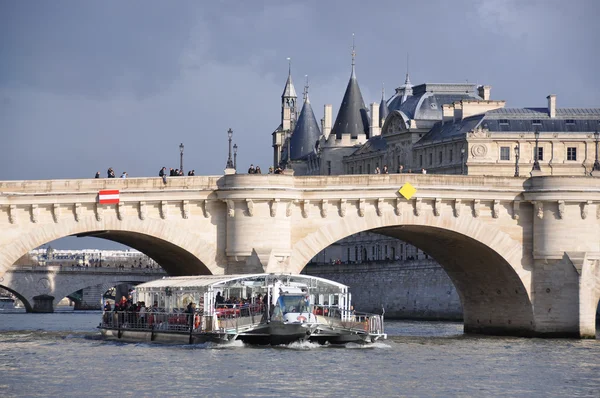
pixel 230 208
pixel 120 211
pixel 418 206
pixel 496 208
pixel 142 210
pixel 273 207
pixel 397 207
pixel 324 208
pixel 77 211
pixel 516 205
pixel 305 208
pixel 288 208
pixel 185 209
pixel 585 209
pixel 99 212
pixel 250 206
pixel 437 204
pixel 55 212
pixel 342 207
pixel 12 214
pixel 164 210
pixel 476 208
pixel 561 209
pixel 205 210
pixel 457 203
pixel 361 207
pixel 538 209
pixel 379 206
pixel 34 213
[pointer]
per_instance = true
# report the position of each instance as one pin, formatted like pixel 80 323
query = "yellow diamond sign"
pixel 407 191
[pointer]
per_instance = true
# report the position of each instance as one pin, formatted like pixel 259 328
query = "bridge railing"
pixel 357 321
pixel 225 320
pixel 105 269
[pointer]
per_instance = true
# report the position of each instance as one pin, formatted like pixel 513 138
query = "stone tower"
pixel 289 115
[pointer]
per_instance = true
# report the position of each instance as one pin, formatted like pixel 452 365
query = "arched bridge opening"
pixel 484 267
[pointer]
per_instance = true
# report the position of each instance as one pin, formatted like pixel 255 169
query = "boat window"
pixel 293 304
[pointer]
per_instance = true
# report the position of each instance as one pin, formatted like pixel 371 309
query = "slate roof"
pixel 428 98
pixel 289 90
pixel 352 117
pixel 306 133
pixel 384 111
pixel 510 120
pixel 373 144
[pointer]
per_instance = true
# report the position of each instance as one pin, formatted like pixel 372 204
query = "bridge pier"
pixel 43 303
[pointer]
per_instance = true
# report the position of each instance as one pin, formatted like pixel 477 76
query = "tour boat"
pixel 229 307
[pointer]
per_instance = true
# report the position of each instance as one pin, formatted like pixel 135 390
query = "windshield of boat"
pixel 293 303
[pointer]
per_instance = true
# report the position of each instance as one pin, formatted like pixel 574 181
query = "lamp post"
pixel 536 163
pixel 235 156
pixel 517 150
pixel 229 161
pixel 596 162
pixel 181 157
pixel 462 161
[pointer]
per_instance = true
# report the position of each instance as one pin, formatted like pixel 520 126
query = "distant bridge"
pixel 40 288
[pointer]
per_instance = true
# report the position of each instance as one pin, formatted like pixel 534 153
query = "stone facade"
pixel 417 289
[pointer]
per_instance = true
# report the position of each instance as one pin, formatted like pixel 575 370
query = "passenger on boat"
pixel 219 299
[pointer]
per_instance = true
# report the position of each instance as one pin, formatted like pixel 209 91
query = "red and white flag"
pixel 108 196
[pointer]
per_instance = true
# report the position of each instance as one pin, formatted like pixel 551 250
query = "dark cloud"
pixel 89 85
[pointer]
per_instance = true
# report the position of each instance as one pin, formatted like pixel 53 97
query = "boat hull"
pixel 163 337
pixel 276 333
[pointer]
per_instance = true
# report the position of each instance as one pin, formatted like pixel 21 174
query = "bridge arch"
pixel 24 300
pixel 65 290
pixel 485 264
pixel 178 252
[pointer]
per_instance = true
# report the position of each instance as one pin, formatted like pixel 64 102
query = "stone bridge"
pixel 40 288
pixel 523 253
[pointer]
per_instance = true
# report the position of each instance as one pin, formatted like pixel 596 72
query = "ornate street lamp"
pixel 229 161
pixel 462 161
pixel 517 150
pixel 536 163
pixel 235 156
pixel 181 157
pixel 596 162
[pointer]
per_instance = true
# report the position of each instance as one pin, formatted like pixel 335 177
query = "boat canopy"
pixel 206 282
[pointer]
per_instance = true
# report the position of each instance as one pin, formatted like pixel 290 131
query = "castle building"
pixel 434 128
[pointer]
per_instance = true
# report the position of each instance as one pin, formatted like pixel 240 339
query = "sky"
pixel 89 85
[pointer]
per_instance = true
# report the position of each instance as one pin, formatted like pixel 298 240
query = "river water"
pixel 62 355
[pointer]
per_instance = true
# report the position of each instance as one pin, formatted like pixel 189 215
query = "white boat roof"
pixel 199 281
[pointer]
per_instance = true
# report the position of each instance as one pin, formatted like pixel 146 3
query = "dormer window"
pixel 536 122
pixel 503 122
pixel 570 121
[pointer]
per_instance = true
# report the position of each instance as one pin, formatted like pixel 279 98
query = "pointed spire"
pixel 352 118
pixel 307 131
pixel 306 90
pixel 353 75
pixel 289 91
pixel 384 111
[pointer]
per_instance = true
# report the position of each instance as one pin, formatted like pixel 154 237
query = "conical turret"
pixel 384 111
pixel 306 133
pixel 352 117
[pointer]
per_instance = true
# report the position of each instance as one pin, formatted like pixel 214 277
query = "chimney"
pixel 484 92
pixel 327 121
pixel 551 105
pixel 375 128
pixel 447 113
pixel 458 111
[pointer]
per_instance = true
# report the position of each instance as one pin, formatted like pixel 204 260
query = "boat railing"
pixel 225 319
pixel 357 321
